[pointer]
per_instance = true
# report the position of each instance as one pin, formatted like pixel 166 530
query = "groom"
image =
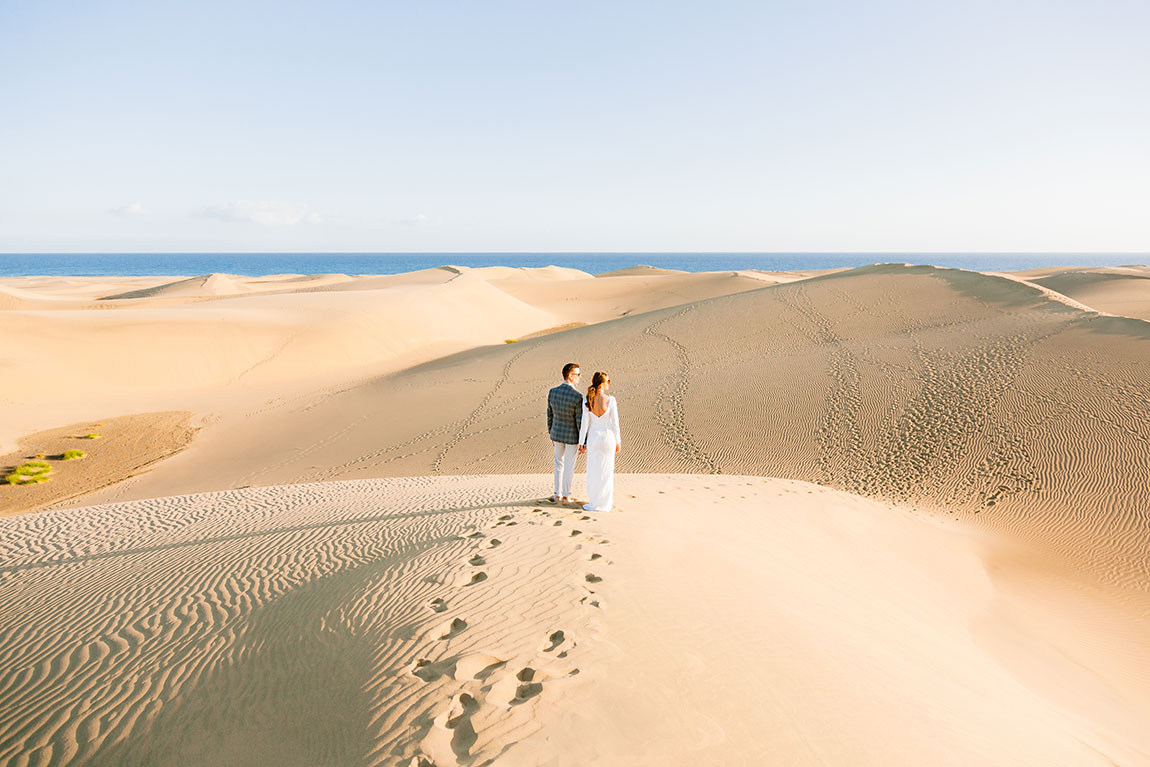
pixel 564 413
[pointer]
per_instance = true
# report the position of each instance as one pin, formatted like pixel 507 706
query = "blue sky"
pixel 489 126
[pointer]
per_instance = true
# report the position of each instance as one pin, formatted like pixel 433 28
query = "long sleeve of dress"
pixel 584 424
pixel 615 422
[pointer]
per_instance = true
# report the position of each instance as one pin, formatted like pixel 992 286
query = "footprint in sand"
pixel 557 638
pixel 477 666
pixel 451 739
pixel 463 707
pixel 429 671
pixel 478 577
pixel 448 630
pixel 595 555
pixel 592 578
pixel 576 532
pixel 437 605
pixel 527 688
pixel 505 517
pixel 477 560
pixel 493 543
pixel 557 523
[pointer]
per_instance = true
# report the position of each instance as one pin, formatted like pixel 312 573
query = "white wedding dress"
pixel 600 434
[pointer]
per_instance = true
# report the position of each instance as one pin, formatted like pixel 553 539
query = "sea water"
pixel 252 264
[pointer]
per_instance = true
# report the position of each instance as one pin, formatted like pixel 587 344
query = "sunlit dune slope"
pixel 197 343
pixel 1121 290
pixel 606 297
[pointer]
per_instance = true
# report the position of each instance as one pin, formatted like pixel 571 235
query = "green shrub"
pixel 29 473
pixel 90 436
pixel 511 340
pixel 24 479
pixel 70 454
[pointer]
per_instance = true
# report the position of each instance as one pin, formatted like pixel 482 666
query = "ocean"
pixel 254 264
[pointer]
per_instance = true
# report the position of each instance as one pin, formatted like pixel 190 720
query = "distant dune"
pixel 214 285
pixel 640 271
pixel 207 285
pixel 1120 290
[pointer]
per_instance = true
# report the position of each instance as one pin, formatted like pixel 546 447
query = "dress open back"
pixel 600 433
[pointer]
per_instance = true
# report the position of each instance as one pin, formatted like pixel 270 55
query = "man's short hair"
pixel 568 368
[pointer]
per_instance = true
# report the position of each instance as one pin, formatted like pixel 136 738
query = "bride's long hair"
pixel 596 388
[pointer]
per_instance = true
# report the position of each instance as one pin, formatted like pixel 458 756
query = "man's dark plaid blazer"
pixel 564 413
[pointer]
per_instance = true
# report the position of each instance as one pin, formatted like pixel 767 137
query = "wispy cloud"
pixel 262 213
pixel 131 209
pixel 419 219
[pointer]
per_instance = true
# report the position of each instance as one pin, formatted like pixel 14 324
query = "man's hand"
pixel 582 449
pixel 617 448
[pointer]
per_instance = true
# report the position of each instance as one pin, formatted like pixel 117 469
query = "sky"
pixel 434 125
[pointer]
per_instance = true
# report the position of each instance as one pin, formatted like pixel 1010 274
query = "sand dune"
pixel 604 298
pixel 969 585
pixel 537 274
pixel 217 285
pixel 436 276
pixel 206 285
pixel 642 270
pixel 79 289
pixel 164 355
pixel 166 347
pixel 954 391
pixel 716 620
pixel 1119 290
pixel 38 294
pixel 14 298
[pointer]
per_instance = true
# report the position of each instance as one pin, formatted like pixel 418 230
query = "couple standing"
pixel 584 424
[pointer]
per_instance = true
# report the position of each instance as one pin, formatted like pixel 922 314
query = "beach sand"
pixel 888 515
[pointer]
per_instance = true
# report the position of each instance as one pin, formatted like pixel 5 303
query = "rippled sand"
pixel 457 620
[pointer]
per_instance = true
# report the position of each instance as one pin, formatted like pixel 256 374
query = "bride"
pixel 599 437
